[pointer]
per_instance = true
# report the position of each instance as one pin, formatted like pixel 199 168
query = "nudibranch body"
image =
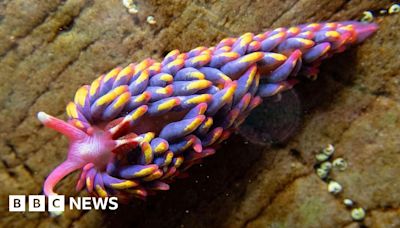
pixel 134 129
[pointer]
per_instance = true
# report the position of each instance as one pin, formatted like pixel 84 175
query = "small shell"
pixel 151 20
pixel 383 11
pixel 321 157
pixel 340 164
pixel 334 187
pixel 395 8
pixel 358 214
pixel 328 150
pixel 367 17
pixel 322 173
pixel 348 202
pixel 326 166
pixel 133 9
pixel 127 3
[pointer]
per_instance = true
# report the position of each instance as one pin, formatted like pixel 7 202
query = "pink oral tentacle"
pixel 58 174
pixel 63 127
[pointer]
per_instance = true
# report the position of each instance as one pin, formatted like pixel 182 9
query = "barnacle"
pixel 136 128
pixel 334 187
pixel 395 8
pixel 358 214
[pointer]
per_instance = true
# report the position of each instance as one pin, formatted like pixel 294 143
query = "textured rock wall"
pixel 49 48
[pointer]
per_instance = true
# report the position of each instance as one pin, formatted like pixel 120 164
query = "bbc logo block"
pixel 16 203
pixel 56 203
pixel 36 203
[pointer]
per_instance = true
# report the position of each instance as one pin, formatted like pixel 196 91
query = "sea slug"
pixel 136 128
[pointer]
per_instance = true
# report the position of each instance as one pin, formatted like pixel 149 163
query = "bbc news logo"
pixel 56 203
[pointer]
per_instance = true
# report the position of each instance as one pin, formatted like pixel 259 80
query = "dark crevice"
pixel 297 155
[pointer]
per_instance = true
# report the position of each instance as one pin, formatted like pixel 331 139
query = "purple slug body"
pixel 134 129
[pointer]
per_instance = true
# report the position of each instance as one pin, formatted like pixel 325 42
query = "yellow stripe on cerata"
pixel 167 104
pixel 312 25
pixel 277 57
pixel 195 123
pixel 201 58
pixel 121 100
pixel 208 123
pixel 277 36
pixel 114 72
pixel 144 172
pixel 124 184
pixel 101 191
pixel 157 174
pixel 78 124
pixel 110 96
pixel 229 93
pixel 253 57
pixel 155 67
pixel 294 30
pixel 167 77
pixel 176 62
pixel 251 76
pixel 229 54
pixel 247 37
pixel 168 158
pixel 80 96
pixel 143 76
pixel 178 162
pixel 161 91
pixel 199 84
pixel 142 65
pixel 305 41
pixel 95 86
pixel 142 97
pixel 148 136
pixel 226 48
pixel 197 74
pixel 172 53
pixel 199 99
pixel 160 147
pixel 126 72
pixel 72 110
pixel 333 34
pixel 139 112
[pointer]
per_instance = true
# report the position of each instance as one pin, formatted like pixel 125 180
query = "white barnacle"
pixel 328 150
pixel 395 8
pixel 133 10
pixel 340 164
pixel 326 165
pixel 367 17
pixel 321 157
pixel 348 202
pixel 128 3
pixel 322 173
pixel 383 11
pixel 358 214
pixel 334 187
pixel 151 20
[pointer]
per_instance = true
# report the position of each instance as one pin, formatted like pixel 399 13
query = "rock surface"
pixel 49 48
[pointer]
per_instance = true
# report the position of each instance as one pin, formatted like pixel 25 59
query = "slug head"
pixel 94 146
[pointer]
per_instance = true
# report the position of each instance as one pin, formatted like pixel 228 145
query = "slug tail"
pixel 363 30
